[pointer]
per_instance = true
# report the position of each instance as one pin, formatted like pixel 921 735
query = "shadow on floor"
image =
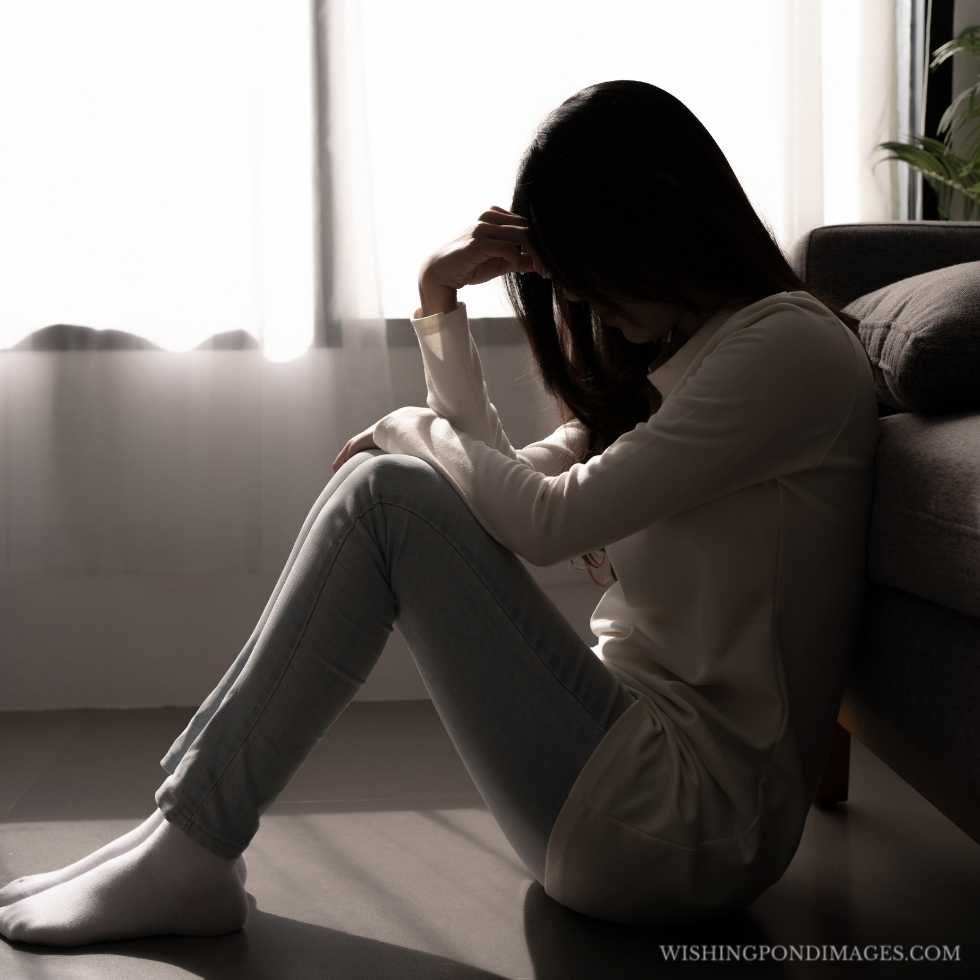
pixel 562 944
pixel 381 860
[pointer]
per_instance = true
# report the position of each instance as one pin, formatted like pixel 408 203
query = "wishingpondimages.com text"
pixel 810 953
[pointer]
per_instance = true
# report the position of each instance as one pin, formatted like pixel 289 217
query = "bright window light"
pixel 157 165
pixel 156 169
pixel 456 90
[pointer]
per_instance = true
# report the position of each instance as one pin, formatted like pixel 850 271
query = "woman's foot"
pixel 167 884
pixel 32 884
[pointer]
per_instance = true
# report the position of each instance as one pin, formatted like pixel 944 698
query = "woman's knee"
pixel 400 478
pixel 363 455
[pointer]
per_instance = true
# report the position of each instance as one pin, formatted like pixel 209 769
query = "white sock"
pixel 166 885
pixel 32 884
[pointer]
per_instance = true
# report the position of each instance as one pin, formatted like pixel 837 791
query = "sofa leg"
pixel 833 785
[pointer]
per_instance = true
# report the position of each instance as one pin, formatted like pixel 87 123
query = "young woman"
pixel 719 431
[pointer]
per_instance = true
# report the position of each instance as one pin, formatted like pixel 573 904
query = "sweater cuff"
pixel 379 433
pixel 385 430
pixel 437 321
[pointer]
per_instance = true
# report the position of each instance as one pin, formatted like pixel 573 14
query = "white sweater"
pixel 736 520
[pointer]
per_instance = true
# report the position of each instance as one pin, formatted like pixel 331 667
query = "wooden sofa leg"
pixel 833 785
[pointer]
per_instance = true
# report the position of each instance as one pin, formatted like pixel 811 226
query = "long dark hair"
pixel 627 194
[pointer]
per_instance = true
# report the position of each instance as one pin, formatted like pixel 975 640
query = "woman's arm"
pixel 457 391
pixel 454 378
pixel 769 400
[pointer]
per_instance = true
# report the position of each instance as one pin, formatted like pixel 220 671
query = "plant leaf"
pixel 966 42
pixel 949 118
pixel 937 148
pixel 914 156
pixel 939 182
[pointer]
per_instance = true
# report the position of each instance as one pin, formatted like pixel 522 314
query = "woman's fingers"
pixel 493 258
pixel 342 457
pixel 512 233
pixel 496 247
pixel 497 244
pixel 501 224
pixel 363 440
pixel 500 215
pixel 507 225
pixel 500 219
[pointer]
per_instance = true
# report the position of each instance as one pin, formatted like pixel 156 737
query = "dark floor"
pixel 380 860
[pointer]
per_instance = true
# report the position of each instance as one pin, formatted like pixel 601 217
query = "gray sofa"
pixel 913 698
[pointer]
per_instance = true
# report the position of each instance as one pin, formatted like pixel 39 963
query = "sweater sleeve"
pixel 457 391
pixel 770 399
pixel 557 451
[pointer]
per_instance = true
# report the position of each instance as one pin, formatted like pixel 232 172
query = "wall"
pixel 966 68
pixel 139 633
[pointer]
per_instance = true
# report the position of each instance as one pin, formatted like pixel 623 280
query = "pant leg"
pixel 522 697
pixel 210 704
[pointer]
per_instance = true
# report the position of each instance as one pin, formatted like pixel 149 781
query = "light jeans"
pixel 390 540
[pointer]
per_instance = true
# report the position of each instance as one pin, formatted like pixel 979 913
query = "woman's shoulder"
pixel 793 327
pixel 785 357
pixel 792 302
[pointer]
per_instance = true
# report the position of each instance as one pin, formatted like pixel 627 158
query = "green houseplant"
pixel 945 171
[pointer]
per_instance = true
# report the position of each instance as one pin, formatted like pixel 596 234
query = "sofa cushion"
pixel 923 337
pixel 924 536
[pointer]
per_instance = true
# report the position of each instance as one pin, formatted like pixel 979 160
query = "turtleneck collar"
pixel 666 376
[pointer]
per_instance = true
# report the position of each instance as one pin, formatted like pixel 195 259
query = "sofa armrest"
pixel 847 261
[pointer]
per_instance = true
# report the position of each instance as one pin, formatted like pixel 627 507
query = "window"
pixel 161 128
pixel 156 171
pixel 455 92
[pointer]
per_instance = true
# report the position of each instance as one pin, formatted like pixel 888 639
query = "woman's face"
pixel 644 321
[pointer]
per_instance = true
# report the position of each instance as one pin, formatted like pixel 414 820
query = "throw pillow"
pixel 922 335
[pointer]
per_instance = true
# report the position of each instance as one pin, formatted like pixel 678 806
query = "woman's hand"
pixel 495 245
pixel 363 440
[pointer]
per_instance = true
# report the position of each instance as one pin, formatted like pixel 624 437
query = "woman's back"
pixel 733 619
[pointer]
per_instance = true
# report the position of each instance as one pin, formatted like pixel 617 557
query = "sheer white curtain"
pixel 175 172
pixel 158 174
pixel 796 92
